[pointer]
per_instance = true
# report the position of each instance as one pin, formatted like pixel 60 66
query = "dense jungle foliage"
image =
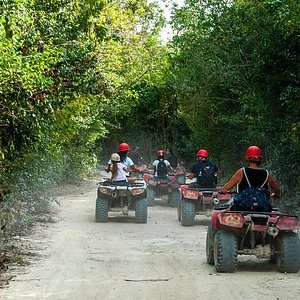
pixel 77 77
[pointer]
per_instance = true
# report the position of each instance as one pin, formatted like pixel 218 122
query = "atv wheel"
pixel 210 245
pixel 150 196
pixel 288 256
pixel 187 213
pixel 225 251
pixel 272 259
pixel 141 210
pixel 173 198
pixel 101 213
pixel 179 208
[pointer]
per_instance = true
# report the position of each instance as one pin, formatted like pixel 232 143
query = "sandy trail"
pixel 77 258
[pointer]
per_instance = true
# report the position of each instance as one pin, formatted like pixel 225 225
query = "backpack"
pixel 206 177
pixel 161 168
pixel 253 198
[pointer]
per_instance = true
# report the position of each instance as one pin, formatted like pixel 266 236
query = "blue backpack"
pixel 253 198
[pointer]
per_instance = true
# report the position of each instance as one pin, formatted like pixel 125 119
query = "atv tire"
pixel 179 209
pixel 174 198
pixel 150 196
pixel 101 212
pixel 141 210
pixel 210 245
pixel 187 213
pixel 225 251
pixel 288 256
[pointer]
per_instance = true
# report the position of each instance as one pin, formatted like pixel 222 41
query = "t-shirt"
pixel 155 164
pixel 197 169
pixel 121 174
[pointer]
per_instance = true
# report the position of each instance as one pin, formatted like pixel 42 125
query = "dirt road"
pixel 76 258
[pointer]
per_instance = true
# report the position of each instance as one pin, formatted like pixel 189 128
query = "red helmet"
pixel 254 151
pixel 202 153
pixel 124 147
pixel 160 153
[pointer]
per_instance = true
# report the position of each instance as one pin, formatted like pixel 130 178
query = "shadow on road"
pixel 253 264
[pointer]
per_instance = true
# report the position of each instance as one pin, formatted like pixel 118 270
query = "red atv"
pixel 198 201
pixel 269 235
pixel 168 186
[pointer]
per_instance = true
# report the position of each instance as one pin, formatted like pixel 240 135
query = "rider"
pixel 117 169
pixel 124 160
pixel 204 170
pixel 161 165
pixel 253 174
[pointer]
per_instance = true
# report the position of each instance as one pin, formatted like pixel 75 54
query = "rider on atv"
pixel 117 169
pixel 204 170
pixel 124 160
pixel 161 166
pixel 250 181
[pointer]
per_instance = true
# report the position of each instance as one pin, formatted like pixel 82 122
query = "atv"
pixel 165 187
pixel 267 235
pixel 123 197
pixel 198 201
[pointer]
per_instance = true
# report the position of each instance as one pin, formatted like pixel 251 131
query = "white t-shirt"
pixel 121 174
pixel 155 163
pixel 127 163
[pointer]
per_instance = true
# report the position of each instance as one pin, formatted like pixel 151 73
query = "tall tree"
pixel 237 67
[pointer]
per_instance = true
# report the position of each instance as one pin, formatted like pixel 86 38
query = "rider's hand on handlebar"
pixel 274 196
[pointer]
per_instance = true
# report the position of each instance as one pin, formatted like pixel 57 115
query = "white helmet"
pixel 115 157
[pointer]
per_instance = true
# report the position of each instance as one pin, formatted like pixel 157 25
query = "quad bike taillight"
pixel 231 219
pixel 191 194
pixel 137 191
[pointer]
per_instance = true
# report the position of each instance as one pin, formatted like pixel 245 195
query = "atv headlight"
pixel 104 190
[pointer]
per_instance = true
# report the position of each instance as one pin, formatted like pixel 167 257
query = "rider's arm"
pixel 233 181
pixel 274 186
pixel 108 168
pixel 193 172
pixel 135 168
pixel 169 166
